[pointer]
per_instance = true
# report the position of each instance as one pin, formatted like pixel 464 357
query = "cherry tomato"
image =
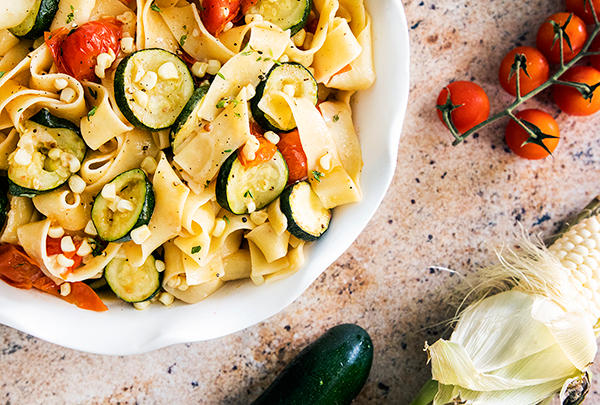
pixel 18 270
pixel 293 153
pixel 577 7
pixel 575 30
pixel 570 100
pixel 538 71
pixel 595 59
pixel 53 248
pixel 473 104
pixel 265 152
pixel 215 14
pixel 516 136
pixel 75 51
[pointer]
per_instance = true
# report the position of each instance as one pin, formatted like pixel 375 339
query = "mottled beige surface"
pixel 448 207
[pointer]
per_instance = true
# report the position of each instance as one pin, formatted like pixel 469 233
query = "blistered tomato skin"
pixel 473 105
pixel 537 66
pixel 215 14
pixel 76 50
pixel 293 153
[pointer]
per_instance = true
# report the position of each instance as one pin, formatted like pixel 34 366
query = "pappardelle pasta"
pixel 161 149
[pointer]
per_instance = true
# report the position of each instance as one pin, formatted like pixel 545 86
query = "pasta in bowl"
pixel 182 153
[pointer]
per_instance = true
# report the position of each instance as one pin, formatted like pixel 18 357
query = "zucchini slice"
pixel 284 77
pixel 307 218
pixel 152 86
pixel 287 14
pixel 238 186
pixel 37 21
pixel 114 225
pixel 187 121
pixel 49 151
pixel 133 284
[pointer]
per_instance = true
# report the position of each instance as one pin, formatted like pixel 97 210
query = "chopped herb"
pixel 259 59
pixel 237 114
pixel 336 118
pixel 185 27
pixel 221 76
pixel 92 112
pixel 71 15
pixel 222 103
pixel 196 249
pixel 317 175
pixel 183 39
pixel 227 151
pixel 93 93
pixel 207 184
pixel 226 218
pixel 98 246
pixel 2 74
pixel 277 62
pixel 154 7
pixel 248 194
pixel 20 109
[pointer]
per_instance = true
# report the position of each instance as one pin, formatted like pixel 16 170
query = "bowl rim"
pixel 167 337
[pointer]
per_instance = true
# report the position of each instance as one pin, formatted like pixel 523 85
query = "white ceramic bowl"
pixel 379 113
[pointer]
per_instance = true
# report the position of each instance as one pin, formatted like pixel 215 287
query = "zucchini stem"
pixel 427 393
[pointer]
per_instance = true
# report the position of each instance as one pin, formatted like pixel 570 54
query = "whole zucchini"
pixel 332 370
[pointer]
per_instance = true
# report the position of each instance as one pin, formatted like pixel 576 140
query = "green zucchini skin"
pixel 43 20
pixel 45 118
pixel 4 205
pixel 293 227
pixel 330 371
pixel 221 186
pixel 296 25
pixel 258 114
pixel 186 113
pixel 146 211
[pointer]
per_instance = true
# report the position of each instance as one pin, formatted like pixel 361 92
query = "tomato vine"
pixel 536 136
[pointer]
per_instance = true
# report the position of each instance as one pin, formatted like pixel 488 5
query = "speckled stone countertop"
pixel 448 206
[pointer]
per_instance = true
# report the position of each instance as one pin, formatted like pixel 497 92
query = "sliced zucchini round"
pixel 114 225
pixel 239 186
pixel 277 116
pixel 152 87
pixel 307 218
pixel 133 284
pixel 96 284
pixel 287 14
pixel 187 121
pixel 38 19
pixel 45 156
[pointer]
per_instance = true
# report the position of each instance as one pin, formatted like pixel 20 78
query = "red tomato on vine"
pixel 570 100
pixel 574 36
pixel 468 103
pixel 520 141
pixel 535 72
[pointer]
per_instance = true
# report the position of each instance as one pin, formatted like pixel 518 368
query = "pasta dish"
pixel 160 149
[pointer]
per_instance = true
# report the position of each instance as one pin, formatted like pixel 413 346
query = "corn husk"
pixel 537 336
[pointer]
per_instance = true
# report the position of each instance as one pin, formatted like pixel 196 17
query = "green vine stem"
pixel 586 90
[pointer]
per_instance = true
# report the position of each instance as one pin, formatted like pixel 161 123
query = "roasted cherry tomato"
pixel 570 100
pixel 550 47
pixel 215 14
pixel 472 104
pixel 53 248
pixel 516 136
pixel 582 9
pixel 265 152
pixel 537 70
pixel 75 51
pixel 18 270
pixel 293 153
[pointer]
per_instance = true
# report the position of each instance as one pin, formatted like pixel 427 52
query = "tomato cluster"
pixel 534 134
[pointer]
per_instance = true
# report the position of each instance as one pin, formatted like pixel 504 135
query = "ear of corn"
pixel 537 337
